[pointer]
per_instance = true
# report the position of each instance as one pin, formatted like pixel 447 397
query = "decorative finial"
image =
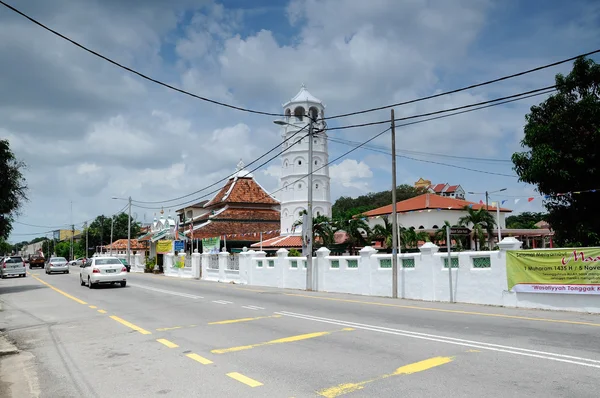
pixel 240 165
pixel 162 211
pixel 303 86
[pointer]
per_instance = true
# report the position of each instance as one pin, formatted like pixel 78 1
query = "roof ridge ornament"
pixel 240 165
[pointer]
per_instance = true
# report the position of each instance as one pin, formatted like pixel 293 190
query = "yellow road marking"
pixel 278 341
pixel 168 343
pixel 102 311
pixel 200 359
pixel 165 329
pixel 93 306
pixel 130 325
pixel 473 351
pixel 243 320
pixel 416 367
pixel 244 379
pixel 414 307
pixel 59 291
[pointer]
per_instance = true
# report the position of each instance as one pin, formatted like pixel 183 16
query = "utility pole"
pixel 129 234
pixel 112 224
pixel 449 246
pixel 394 215
pixel 309 219
pixel 72 233
pixel 85 225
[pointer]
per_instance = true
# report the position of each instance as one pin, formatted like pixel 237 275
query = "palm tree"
pixel 323 227
pixel 353 228
pixel 384 232
pixel 410 237
pixel 440 235
pixel 480 220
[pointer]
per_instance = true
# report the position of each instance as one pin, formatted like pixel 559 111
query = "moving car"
pixel 80 261
pixel 103 270
pixel 57 264
pixel 36 260
pixel 13 265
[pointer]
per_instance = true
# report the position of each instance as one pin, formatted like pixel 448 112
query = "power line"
pixel 41 226
pixel 229 176
pixel 135 72
pixel 499 79
pixel 439 163
pixel 539 90
pixel 381 148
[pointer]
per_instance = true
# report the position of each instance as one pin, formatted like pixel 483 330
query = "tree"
pixel 562 152
pixel 13 188
pixel 354 228
pixel 384 232
pixel 323 227
pixel 410 238
pixel 479 221
pixel 99 230
pixel 5 247
pixel 525 220
pixel 346 207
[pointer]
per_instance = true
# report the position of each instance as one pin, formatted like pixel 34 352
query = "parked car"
pixel 11 266
pixel 124 262
pixel 103 270
pixel 57 264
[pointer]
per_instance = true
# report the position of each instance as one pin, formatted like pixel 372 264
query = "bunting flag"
pixel 481 202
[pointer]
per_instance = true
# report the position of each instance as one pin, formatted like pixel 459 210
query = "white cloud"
pixel 351 174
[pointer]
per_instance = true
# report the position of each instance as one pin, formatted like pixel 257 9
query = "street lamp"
pixel 309 219
pixel 128 229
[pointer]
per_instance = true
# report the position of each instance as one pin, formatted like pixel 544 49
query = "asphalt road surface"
pixel 185 338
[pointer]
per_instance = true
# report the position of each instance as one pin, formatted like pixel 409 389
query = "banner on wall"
pixel 164 246
pixel 211 245
pixel 563 271
pixel 179 245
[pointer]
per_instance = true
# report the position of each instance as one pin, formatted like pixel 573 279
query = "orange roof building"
pixel 429 211
pixel 241 211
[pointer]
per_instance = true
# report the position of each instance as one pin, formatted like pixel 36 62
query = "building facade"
pixel 294 161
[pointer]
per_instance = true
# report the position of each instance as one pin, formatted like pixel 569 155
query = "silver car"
pixel 13 265
pixel 57 264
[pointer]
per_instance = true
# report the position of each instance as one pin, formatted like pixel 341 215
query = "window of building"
pixel 299 163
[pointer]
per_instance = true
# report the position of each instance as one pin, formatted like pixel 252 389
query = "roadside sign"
pixel 179 246
pixel 460 231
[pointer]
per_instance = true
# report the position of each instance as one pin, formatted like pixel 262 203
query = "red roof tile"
pixel 452 188
pixel 238 230
pixel 294 241
pixel 121 244
pixel 241 190
pixel 429 201
pixel 438 188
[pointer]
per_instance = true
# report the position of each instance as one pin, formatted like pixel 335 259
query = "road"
pixel 185 338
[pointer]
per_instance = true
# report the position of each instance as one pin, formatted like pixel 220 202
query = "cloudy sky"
pixel 89 131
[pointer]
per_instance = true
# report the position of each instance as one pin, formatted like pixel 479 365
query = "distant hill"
pixel 346 207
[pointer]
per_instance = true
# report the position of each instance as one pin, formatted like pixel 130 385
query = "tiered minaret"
pixel 294 161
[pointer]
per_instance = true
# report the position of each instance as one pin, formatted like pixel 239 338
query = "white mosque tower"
pixel 294 162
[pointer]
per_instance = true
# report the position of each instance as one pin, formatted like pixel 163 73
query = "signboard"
pixel 179 245
pixel 164 246
pixel 211 245
pixel 460 231
pixel 563 271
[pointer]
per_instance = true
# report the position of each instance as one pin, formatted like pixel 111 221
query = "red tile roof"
pixel 238 230
pixel 121 244
pixel 437 188
pixel 294 241
pixel 429 201
pixel 452 188
pixel 241 190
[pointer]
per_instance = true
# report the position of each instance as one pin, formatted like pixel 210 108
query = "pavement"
pixel 162 336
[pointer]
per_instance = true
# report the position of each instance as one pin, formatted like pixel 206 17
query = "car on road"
pixel 78 261
pixel 57 264
pixel 124 262
pixel 11 266
pixel 103 270
pixel 36 260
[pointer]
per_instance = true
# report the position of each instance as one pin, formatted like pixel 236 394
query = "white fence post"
pixel 168 263
pixel 429 261
pixel 223 256
pixel 196 264
pixel 322 265
pixel 364 269
pixel 245 268
pixel 204 264
pixel 281 266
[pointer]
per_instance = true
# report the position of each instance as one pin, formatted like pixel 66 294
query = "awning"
pixel 160 235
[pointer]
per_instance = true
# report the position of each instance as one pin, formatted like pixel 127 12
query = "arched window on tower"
pixel 285 164
pixel 299 112
pixel 314 113
pixel 435 227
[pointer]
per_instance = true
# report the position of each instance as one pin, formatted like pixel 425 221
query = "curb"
pixel 7 347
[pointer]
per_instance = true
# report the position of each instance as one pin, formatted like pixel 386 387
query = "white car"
pixel 102 270
pixel 79 261
pixel 57 264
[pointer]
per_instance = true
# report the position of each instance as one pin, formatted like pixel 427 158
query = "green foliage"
pixel 150 262
pixel 479 221
pixel 5 247
pixel 63 249
pixel 525 220
pixel 13 191
pixel 346 207
pixel 410 238
pixel 99 230
pixel 562 153
pixel 294 253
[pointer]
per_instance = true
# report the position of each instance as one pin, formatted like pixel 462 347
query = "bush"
pixel 294 253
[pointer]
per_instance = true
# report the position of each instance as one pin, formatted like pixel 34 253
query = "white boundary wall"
pixel 479 277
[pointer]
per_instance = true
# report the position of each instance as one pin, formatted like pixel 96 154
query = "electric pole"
pixel 394 215
pixel 128 235
pixel 309 220
pixel 112 223
pixel 86 239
